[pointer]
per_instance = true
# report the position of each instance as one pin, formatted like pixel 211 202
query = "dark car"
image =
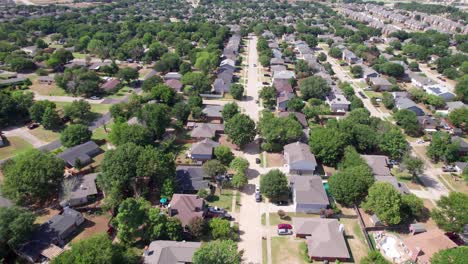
pixel 258 161
pixel 362 95
pixel 449 168
pixel 215 212
pixel 258 197
pixel 33 125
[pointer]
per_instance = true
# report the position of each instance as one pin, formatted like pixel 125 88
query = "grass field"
pixel 286 250
pixel 95 108
pixel 223 201
pixel 44 134
pixel 16 146
pixel 455 182
pixel 264 252
pixel 44 89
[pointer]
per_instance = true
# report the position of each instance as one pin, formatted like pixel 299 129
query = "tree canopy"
pixel 274 184
pixel 74 135
pixel 314 87
pixel 240 129
pixel 450 215
pixel 217 252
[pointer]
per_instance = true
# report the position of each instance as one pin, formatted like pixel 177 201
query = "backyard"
pixel 287 250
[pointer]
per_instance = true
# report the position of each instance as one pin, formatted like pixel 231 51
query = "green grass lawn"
pixel 263 219
pixel 372 94
pixel 275 219
pixel 223 201
pixel 361 85
pixel 264 252
pixel 100 134
pixel 454 181
pixel 44 134
pixel 16 145
pixel 78 55
pixel 286 250
pixel 121 93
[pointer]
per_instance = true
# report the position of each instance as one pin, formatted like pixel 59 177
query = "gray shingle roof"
pixel 309 190
pixel 204 147
pixel 191 178
pixel 170 252
pixel 299 151
pixel 81 152
pixel 213 110
pixel 378 164
pixel 76 187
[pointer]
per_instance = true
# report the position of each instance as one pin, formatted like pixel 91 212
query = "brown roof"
pixel 324 240
pixel 299 116
pixel 174 84
pixel 428 243
pixel 186 206
pixel 110 84
pixel 282 85
pixel 378 164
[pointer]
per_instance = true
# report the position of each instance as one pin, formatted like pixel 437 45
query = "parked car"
pixel 265 83
pixel 94 97
pixel 255 65
pixel 284 232
pixel 258 197
pixel 258 161
pixel 216 212
pixel 362 95
pixel 33 125
pixel 281 202
pixel 257 189
pixel 284 226
pixel 449 168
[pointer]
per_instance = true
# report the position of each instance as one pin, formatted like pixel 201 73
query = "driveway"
pixel 23 133
pixel 64 98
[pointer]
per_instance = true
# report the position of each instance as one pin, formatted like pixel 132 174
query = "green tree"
pixel 223 154
pixel 459 117
pixel 38 108
pixel 335 53
pixel 127 74
pixel 214 168
pixel 240 129
pixel 278 131
pixel 181 111
pixel 327 144
pixel 322 56
pixel 132 214
pixel 450 214
pixel 450 256
pixel 393 69
pixel 220 228
pixel 239 164
pixel 196 227
pixel 51 120
pixel 74 135
pixel 274 184
pixel 16 226
pixel 79 111
pixel 168 188
pixel 461 89
pixel 295 104
pixel 414 66
pixel 174 229
pixel 442 148
pixel 393 143
pixel 374 257
pixel 30 176
pixel 314 87
pixel 388 100
pixel 217 252
pixel 356 71
pixel 268 96
pixel 414 165
pixel 408 121
pixel 97 249
pixel 350 185
pixel 156 118
pixel 385 201
pixel 239 179
pixel 230 110
pixel 199 81
pixel 123 133
pixel 151 82
pixel 237 91
pixel 412 205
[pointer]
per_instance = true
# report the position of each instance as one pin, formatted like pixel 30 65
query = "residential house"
pixel 203 150
pixel 350 57
pixel 191 179
pixel 379 164
pixel 408 104
pixel 110 84
pixel 380 84
pixel 78 190
pixel 424 245
pixel 300 117
pixel 185 207
pixel 282 85
pixel 226 75
pixel 283 99
pixel 47 242
pixel 170 252
pixel 219 86
pixel 428 124
pixel 213 113
pixel 276 61
pixel 175 84
pixel 49 80
pixel 12 81
pixel 206 130
pixel 277 68
pixel 299 159
pixel 308 194
pixel 324 238
pixel 228 64
pixel 283 75
pixel 454 105
pixel 368 72
pixel 80 155
pixel 337 101
pixel 172 76
pixel 463 145
pixel 400 187
pixel 440 91
pixel 461 166
pixel 419 80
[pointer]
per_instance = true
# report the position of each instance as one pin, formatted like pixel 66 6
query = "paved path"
pixel 23 133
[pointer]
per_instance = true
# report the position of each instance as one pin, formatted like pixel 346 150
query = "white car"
pixel 257 189
pixel 284 232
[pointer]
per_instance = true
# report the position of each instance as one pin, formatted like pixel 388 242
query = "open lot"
pixel 94 224
pixel 44 89
pixel 44 134
pixel 16 145
pixel 453 181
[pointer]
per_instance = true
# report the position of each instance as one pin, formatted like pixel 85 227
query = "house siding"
pixel 310 208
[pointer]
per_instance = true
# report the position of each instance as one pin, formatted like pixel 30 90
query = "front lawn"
pixel 456 182
pixel 287 250
pixel 44 134
pixel 15 146
pixel 275 219
pixel 223 200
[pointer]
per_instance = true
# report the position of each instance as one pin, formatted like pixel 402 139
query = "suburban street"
pixel 433 187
